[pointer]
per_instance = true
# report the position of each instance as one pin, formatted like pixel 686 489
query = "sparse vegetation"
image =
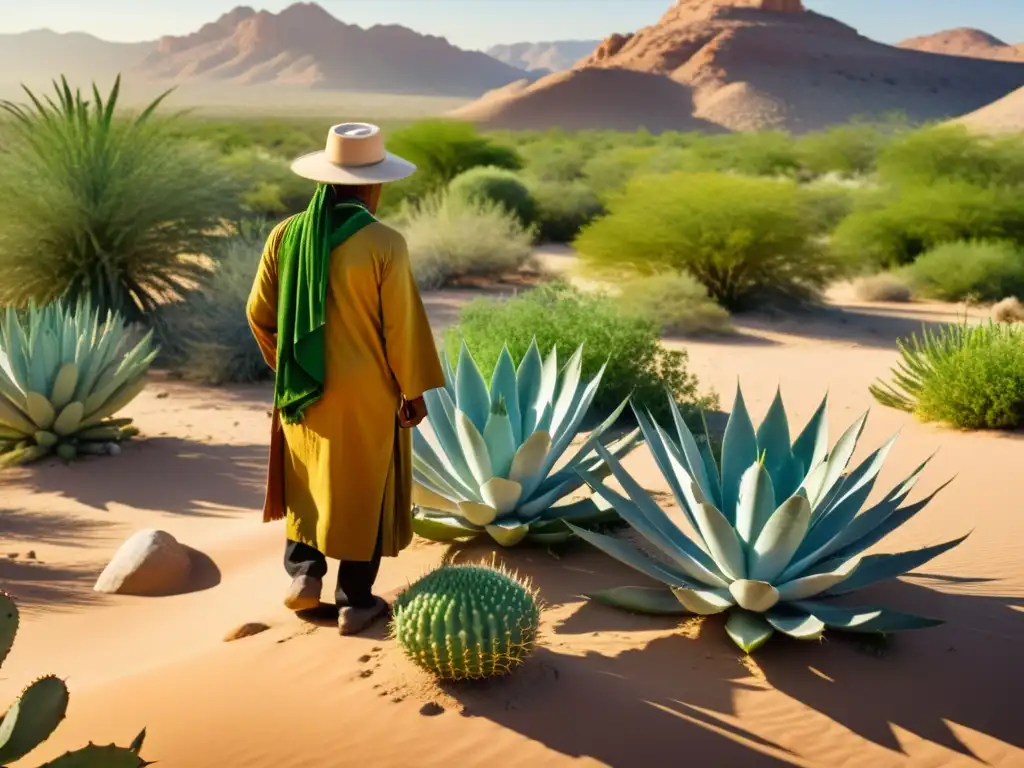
pixel 1008 310
pixel 487 184
pixel 980 271
pixel 563 209
pixel 885 286
pixel 676 302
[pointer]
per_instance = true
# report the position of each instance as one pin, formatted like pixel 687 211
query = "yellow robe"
pixel 348 465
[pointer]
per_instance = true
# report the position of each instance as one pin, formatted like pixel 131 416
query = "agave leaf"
pixel 739 451
pixel 854 491
pixel 799 625
pixel 426 494
pixel 549 538
pixel 813 482
pixel 449 374
pixel 474 448
pixel 748 630
pixel 690 452
pixel 582 512
pixel 594 438
pixel 447 437
pixel 434 467
pixel 675 475
pixel 504 385
pixel 651 601
pixel 427 477
pixel 773 443
pixel 723 543
pixel 441 528
pixel 876 568
pixel 500 442
pixel 529 459
pixel 812 584
pixel 538 503
pixel 508 534
pixel 472 397
pixel 756 503
pixel 757 596
pixel 689 496
pixel 569 391
pixel 501 494
pixel 811 446
pixel 476 513
pixel 840 457
pixel 703 602
pixel 709 462
pixel 779 539
pixel 528 381
pixel 548 389
pixel 627 555
pixel 864 618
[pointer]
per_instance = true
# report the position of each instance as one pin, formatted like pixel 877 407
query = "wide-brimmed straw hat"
pixel 354 154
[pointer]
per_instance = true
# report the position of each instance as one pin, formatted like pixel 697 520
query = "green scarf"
pixel 303 267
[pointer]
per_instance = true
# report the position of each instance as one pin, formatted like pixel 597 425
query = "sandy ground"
pixel 604 689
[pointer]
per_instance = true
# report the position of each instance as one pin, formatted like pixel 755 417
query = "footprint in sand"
pixel 246 630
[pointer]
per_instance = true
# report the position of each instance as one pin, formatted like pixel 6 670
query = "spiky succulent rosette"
pixel 487 462
pixel 64 373
pixel 770 534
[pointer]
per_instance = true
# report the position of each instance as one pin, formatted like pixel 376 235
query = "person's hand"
pixel 412 413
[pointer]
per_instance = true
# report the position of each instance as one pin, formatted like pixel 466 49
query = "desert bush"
pixel 847 150
pixel 967 376
pixel 885 286
pixel 206 335
pixel 764 153
pixel 558 314
pixel 609 172
pixel 450 238
pixel 980 271
pixel 563 209
pixel 496 185
pixel 103 205
pixel 270 188
pixel 894 230
pixel 743 238
pixel 1008 310
pixel 953 153
pixel 676 302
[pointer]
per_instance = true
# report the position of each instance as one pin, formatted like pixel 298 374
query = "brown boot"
pixel 352 620
pixel 304 593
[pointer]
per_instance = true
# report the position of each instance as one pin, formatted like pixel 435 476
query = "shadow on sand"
pixel 167 474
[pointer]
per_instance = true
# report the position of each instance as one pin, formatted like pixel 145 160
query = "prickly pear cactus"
pixel 467 621
pixel 41 707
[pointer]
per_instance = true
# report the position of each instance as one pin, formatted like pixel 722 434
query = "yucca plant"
pixel 770 534
pixel 101 204
pixel 490 464
pixel 64 374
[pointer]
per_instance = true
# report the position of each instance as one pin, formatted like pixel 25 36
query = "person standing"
pixel 338 316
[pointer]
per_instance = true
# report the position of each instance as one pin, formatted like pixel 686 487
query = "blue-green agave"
pixel 770 534
pixel 491 464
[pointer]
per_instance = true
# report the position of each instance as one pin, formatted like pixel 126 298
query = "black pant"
pixel 355 577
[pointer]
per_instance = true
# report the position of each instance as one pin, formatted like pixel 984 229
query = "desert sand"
pixel 604 688
pixel 1003 116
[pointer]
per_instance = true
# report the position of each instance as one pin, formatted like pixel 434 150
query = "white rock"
pixel 150 562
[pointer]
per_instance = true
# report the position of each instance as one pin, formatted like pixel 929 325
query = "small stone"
pixel 365 658
pixel 397 699
pixel 366 673
pixel 161 395
pixel 431 709
pixel 150 562
pixel 248 629
pixel 13 555
pixel 30 555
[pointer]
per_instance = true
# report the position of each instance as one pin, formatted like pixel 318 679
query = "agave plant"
pixel 63 376
pixel 770 534
pixel 490 464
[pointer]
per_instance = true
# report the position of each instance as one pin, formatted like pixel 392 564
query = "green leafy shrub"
pixel 676 302
pixel 764 153
pixel 968 376
pixel 894 230
pixel 885 286
pixel 270 188
pixel 496 185
pixel 742 238
pixel 563 209
pixel 208 339
pixel 609 172
pixel 450 239
pixel 981 271
pixel 103 205
pixel 953 153
pixel 558 314
pixel 847 150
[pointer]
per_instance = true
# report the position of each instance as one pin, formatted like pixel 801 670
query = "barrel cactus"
pixel 41 707
pixel 63 376
pixel 489 465
pixel 770 534
pixel 467 621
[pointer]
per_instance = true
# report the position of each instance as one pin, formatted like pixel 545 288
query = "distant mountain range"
pixel 552 56
pixel 965 41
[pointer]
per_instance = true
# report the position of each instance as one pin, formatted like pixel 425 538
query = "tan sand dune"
pixel 750 65
pixel 1003 116
pixel 964 41
pixel 605 688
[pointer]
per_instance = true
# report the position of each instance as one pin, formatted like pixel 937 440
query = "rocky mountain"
pixel 553 56
pixel 965 41
pixel 39 56
pixel 745 65
pixel 304 45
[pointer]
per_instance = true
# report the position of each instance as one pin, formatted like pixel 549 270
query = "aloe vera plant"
pixel 64 374
pixel 488 461
pixel 41 707
pixel 769 534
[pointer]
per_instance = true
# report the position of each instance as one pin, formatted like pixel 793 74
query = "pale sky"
pixel 482 23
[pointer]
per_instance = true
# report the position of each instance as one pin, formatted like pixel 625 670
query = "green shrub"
pixel 980 271
pixel 563 209
pixel 743 238
pixel 896 230
pixel 953 153
pixel 207 335
pixel 847 150
pixel 270 188
pixel 609 172
pixel 971 377
pixel 496 185
pixel 676 302
pixel 557 314
pixel 450 238
pixel 103 205
pixel 884 286
pixel 765 153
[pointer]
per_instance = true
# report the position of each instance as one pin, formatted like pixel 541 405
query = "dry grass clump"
pixel 884 286
pixel 1009 310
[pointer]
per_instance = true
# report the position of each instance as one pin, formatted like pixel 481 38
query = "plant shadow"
pixel 36 585
pixel 166 474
